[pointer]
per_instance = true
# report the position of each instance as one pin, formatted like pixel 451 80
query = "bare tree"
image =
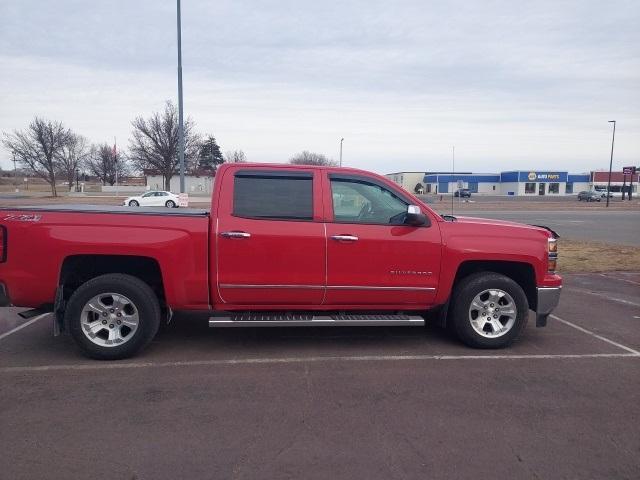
pixel 155 142
pixel 310 158
pixel 235 156
pixel 104 161
pixel 72 156
pixel 38 147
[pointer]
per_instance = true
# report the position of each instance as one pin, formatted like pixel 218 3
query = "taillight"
pixel 552 262
pixel 3 244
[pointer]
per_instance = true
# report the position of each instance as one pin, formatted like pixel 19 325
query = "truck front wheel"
pixel 113 316
pixel 489 310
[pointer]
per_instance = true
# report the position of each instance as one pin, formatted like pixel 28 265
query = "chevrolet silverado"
pixel 282 245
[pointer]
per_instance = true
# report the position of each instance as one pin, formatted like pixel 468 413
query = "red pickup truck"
pixel 282 245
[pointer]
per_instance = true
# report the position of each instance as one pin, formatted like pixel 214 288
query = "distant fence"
pixel 123 188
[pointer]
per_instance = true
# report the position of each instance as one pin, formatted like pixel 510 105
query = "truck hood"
pixel 489 221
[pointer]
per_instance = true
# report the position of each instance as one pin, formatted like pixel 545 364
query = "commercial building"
pixel 410 181
pixel 447 182
pixel 531 182
pixel 512 182
pixel 600 179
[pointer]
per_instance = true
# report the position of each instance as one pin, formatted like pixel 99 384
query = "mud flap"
pixel 541 320
pixel 58 311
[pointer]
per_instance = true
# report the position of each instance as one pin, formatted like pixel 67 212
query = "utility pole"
pixel 341 140
pixel 613 138
pixel 453 172
pixel 180 106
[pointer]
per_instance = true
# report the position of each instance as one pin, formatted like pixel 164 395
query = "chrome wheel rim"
pixel 493 313
pixel 109 319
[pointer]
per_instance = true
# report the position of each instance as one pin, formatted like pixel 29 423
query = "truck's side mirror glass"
pixel 415 216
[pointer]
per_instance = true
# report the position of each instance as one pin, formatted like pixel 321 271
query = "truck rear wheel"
pixel 490 310
pixel 113 316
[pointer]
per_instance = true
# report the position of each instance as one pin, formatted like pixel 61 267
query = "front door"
pixel 541 188
pixel 373 258
pixel 270 244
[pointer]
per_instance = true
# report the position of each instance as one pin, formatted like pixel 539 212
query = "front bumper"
pixel 548 299
pixel 5 301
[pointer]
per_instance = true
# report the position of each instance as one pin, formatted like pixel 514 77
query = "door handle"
pixel 235 234
pixel 344 238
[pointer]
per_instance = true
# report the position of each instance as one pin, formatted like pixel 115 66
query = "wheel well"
pixel 522 273
pixel 78 269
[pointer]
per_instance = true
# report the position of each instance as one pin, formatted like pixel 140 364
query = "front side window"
pixel 356 201
pixel 147 195
pixel 529 188
pixel 273 196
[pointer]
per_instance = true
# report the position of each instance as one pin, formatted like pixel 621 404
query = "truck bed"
pixel 46 241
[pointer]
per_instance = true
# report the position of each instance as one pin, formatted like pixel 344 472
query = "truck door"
pixel 270 244
pixel 373 258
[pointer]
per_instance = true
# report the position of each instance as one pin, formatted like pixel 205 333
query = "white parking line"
pixel 599 337
pixel 601 295
pixel 626 280
pixel 293 360
pixel 25 324
pixel 631 353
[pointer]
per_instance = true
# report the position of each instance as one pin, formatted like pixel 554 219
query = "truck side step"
pixel 311 320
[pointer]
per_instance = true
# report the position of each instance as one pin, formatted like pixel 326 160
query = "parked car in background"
pixel 589 196
pixel 153 199
pixel 462 193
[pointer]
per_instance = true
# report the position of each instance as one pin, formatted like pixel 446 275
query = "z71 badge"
pixel 23 218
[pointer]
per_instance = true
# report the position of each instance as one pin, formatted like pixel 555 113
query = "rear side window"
pixel 285 196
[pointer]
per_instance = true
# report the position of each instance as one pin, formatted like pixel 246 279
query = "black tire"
pixel 133 203
pixel 140 294
pixel 170 204
pixel 464 293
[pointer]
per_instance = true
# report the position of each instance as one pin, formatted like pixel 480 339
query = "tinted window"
pixel 356 201
pixel 273 196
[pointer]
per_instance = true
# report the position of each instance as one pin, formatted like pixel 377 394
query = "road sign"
pixel 183 200
pixel 628 170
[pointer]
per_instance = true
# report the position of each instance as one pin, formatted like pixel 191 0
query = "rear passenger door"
pixel 270 243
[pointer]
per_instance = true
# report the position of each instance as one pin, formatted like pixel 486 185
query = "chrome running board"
pixel 303 320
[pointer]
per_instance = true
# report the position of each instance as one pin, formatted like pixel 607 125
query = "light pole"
pixel 15 173
pixel 77 179
pixel 341 140
pixel 180 107
pixel 613 138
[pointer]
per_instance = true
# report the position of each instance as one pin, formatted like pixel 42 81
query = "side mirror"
pixel 415 216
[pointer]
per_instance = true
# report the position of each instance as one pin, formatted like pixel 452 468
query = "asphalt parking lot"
pixel 564 402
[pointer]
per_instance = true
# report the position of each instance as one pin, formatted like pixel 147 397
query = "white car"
pixel 153 199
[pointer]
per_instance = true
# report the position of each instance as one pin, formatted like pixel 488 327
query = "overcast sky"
pixel 512 84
